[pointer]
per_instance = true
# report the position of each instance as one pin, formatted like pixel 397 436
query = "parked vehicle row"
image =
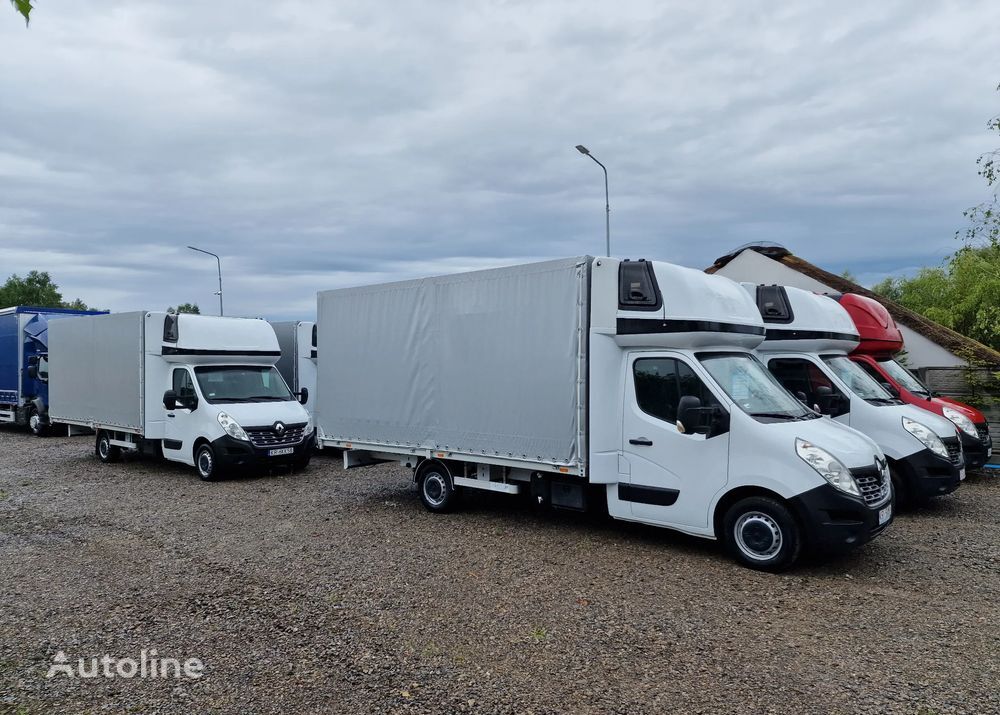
pixel 761 416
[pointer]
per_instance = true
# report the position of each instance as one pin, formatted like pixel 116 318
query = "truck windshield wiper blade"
pixel 776 415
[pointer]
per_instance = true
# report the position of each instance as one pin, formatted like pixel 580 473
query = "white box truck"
pixel 297 364
pixel 201 390
pixel 809 337
pixel 632 379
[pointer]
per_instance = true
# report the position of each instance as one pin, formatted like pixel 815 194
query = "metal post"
pixel 607 198
pixel 219 264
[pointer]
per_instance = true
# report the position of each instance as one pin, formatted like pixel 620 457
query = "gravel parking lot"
pixel 336 591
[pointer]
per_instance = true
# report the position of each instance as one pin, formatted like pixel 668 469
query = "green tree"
pixel 185 308
pixel 984 219
pixel 24 7
pixel 37 289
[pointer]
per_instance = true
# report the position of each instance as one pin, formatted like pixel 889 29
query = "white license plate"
pixel 280 452
pixel 961 475
pixel 884 514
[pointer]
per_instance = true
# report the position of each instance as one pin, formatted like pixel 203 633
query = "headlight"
pixel 232 427
pixel 828 466
pixel 309 426
pixel 961 421
pixel 926 436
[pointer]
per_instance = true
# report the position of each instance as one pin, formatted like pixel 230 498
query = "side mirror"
pixel 170 400
pixel 692 418
pixel 33 372
pixel 303 395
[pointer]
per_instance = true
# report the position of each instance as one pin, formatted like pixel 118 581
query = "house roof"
pixel 956 343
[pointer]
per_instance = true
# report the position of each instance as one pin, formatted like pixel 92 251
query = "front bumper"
pixel 233 453
pixel 978 450
pixel 837 522
pixel 927 475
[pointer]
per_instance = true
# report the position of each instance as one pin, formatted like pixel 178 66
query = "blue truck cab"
pixel 24 353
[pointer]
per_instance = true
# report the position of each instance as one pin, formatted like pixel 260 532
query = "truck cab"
pixel 809 337
pixel 877 353
pixel 297 340
pixel 696 435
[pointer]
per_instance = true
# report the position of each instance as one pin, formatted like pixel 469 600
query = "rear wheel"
pixel 761 533
pixel 204 462
pixel 436 489
pixel 106 452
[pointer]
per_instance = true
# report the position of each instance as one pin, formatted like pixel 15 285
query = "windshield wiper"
pixel 263 398
pixel 776 415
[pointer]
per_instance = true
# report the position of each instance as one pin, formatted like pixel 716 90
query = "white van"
pixel 809 337
pixel 633 380
pixel 200 390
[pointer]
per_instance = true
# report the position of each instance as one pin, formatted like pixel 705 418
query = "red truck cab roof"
pixel 878 331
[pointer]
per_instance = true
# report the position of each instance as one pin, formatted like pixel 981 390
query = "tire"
pixel 36 424
pixel 762 534
pixel 105 451
pixel 205 463
pixel 436 489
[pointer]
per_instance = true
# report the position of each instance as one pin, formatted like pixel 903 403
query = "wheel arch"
pixel 742 492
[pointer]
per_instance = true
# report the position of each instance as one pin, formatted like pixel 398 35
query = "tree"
pixel 963 294
pixel 24 7
pixel 984 219
pixel 185 308
pixel 37 289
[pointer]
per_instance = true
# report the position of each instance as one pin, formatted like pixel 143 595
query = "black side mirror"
pixel 692 418
pixel 303 395
pixel 891 389
pixel 170 400
pixel 33 372
pixel 824 399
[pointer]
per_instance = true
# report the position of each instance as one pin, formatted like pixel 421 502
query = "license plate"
pixel 884 514
pixel 280 452
pixel 961 475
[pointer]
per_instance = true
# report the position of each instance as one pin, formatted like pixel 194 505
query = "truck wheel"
pixel 761 533
pixel 204 461
pixel 901 499
pixel 436 490
pixel 302 462
pixel 106 452
pixel 36 424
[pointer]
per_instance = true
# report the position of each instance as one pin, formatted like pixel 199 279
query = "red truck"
pixel 880 342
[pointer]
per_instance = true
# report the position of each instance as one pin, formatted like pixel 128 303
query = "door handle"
pixel 170 414
pixel 641 441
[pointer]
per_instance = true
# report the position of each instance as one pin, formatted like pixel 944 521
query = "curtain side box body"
pixel 96 371
pixel 489 363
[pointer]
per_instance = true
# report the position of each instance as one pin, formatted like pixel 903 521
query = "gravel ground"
pixel 336 591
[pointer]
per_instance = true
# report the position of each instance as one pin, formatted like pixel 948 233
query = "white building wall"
pixel 752 267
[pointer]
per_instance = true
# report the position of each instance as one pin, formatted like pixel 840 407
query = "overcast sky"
pixel 321 144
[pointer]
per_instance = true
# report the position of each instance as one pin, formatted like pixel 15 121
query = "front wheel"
pixel 204 462
pixel 761 533
pixel 436 490
pixel 106 452
pixel 36 424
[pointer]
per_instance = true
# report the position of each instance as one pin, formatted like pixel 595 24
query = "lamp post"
pixel 607 198
pixel 219 262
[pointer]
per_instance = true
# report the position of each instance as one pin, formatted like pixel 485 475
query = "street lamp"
pixel 607 200
pixel 219 262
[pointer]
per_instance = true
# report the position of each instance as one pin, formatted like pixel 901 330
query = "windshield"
pixel 857 380
pixel 904 377
pixel 220 384
pixel 749 384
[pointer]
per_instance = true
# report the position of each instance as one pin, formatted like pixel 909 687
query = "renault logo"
pixel 279 428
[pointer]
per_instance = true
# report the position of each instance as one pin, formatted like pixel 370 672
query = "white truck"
pixel 809 338
pixel 630 381
pixel 297 364
pixel 200 390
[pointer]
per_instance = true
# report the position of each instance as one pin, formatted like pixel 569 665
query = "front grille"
pixel 268 437
pixel 954 447
pixel 874 485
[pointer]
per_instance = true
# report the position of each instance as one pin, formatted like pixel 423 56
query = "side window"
pixel 43 369
pixel 637 289
pixel 660 383
pixel 804 379
pixel 183 386
pixel 773 304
